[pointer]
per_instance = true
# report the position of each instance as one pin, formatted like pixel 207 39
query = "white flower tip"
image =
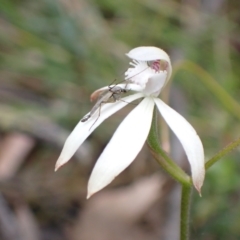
pixel 89 195
pixel 198 188
pixel 59 163
pixel 96 184
pixel 94 189
pixel 56 167
pixel 198 182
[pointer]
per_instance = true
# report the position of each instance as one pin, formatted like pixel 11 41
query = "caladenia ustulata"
pixel 150 69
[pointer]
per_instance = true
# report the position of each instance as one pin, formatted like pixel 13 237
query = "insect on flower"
pixel 150 69
pixel 111 95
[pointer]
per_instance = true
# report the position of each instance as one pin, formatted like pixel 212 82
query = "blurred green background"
pixel 55 53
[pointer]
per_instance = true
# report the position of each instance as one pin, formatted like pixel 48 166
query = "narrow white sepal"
pixel 124 146
pixel 189 140
pixel 84 129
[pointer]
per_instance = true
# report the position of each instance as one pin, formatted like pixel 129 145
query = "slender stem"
pixel 222 153
pixel 185 212
pixel 175 172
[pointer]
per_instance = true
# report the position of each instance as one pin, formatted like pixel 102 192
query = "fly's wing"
pixel 102 98
pixel 112 88
pixel 98 93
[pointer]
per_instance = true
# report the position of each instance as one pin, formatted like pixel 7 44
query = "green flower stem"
pixel 176 172
pixel 227 101
pixel 162 158
pixel 165 162
pixel 222 153
pixel 185 210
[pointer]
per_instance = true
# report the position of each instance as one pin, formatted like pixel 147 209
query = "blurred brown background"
pixel 53 54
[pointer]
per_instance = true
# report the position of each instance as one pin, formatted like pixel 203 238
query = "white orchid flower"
pixel 150 70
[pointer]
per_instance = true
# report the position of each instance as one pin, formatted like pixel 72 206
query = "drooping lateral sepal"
pixel 189 140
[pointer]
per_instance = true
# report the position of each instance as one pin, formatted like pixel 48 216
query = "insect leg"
pixel 99 113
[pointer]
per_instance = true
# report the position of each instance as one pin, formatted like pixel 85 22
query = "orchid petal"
pixel 189 139
pixel 139 73
pixel 156 83
pixel 148 54
pixel 84 129
pixel 143 72
pixel 124 146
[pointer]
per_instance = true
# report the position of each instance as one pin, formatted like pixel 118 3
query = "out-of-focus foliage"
pixel 54 53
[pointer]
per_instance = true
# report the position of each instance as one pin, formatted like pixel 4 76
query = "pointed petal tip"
pixel 56 168
pixel 198 187
pixel 199 191
pixel 89 195
pixel 59 164
pixel 198 178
